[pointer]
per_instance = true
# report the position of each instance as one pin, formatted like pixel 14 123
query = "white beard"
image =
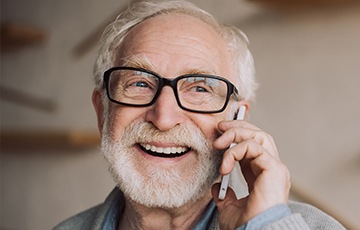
pixel 161 187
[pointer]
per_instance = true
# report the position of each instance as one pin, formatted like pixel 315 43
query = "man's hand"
pixel 267 177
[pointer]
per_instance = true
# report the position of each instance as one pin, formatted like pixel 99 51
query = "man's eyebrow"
pixel 135 61
pixel 200 71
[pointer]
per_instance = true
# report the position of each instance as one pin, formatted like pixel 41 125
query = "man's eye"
pixel 140 84
pixel 199 89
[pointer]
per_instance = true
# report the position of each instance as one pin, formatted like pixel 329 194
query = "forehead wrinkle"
pixel 143 62
pixel 197 48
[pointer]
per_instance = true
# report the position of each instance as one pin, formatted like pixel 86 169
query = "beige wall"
pixel 307 65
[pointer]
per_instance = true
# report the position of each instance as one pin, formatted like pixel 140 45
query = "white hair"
pixel 237 41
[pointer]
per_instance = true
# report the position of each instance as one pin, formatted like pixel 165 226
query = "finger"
pixel 265 169
pixel 245 150
pixel 237 134
pixel 225 125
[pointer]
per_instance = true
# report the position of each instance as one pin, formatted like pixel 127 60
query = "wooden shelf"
pixel 18 35
pixel 49 139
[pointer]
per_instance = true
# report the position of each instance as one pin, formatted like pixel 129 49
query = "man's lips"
pixel 167 152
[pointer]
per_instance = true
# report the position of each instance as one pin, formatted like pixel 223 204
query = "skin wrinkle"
pixel 141 61
pixel 213 72
pixel 196 51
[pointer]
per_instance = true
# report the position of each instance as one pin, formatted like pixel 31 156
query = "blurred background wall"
pixel 307 57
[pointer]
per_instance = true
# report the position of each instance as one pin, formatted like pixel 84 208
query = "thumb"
pixel 229 208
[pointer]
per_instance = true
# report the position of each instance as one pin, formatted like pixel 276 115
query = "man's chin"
pixel 165 199
pixel 164 188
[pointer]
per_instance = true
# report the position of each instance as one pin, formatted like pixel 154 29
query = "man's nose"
pixel 165 113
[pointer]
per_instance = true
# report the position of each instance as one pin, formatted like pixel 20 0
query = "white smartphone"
pixel 225 179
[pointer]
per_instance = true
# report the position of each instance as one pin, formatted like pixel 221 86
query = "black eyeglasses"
pixel 200 93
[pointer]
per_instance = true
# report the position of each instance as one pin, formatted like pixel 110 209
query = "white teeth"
pixel 153 148
pixel 166 150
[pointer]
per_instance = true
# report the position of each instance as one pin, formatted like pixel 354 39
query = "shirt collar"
pixel 116 204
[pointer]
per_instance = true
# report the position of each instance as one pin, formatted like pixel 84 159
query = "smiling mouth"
pixel 166 152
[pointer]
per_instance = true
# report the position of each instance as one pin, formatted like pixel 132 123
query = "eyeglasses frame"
pixel 231 89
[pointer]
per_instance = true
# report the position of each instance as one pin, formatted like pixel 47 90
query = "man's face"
pixel 136 138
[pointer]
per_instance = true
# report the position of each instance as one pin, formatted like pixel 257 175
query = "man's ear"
pixel 99 108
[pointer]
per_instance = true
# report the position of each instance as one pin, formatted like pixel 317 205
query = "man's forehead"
pixel 172 26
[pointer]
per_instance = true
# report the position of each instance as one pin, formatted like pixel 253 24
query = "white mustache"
pixel 186 135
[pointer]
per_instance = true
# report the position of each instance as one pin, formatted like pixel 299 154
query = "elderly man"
pixel 169 81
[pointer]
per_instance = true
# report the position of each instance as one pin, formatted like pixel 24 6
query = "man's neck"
pixel 137 216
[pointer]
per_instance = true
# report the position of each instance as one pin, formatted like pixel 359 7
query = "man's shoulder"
pixel 104 214
pixel 83 220
pixel 313 216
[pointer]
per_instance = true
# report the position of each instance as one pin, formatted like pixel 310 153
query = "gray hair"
pixel 237 41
